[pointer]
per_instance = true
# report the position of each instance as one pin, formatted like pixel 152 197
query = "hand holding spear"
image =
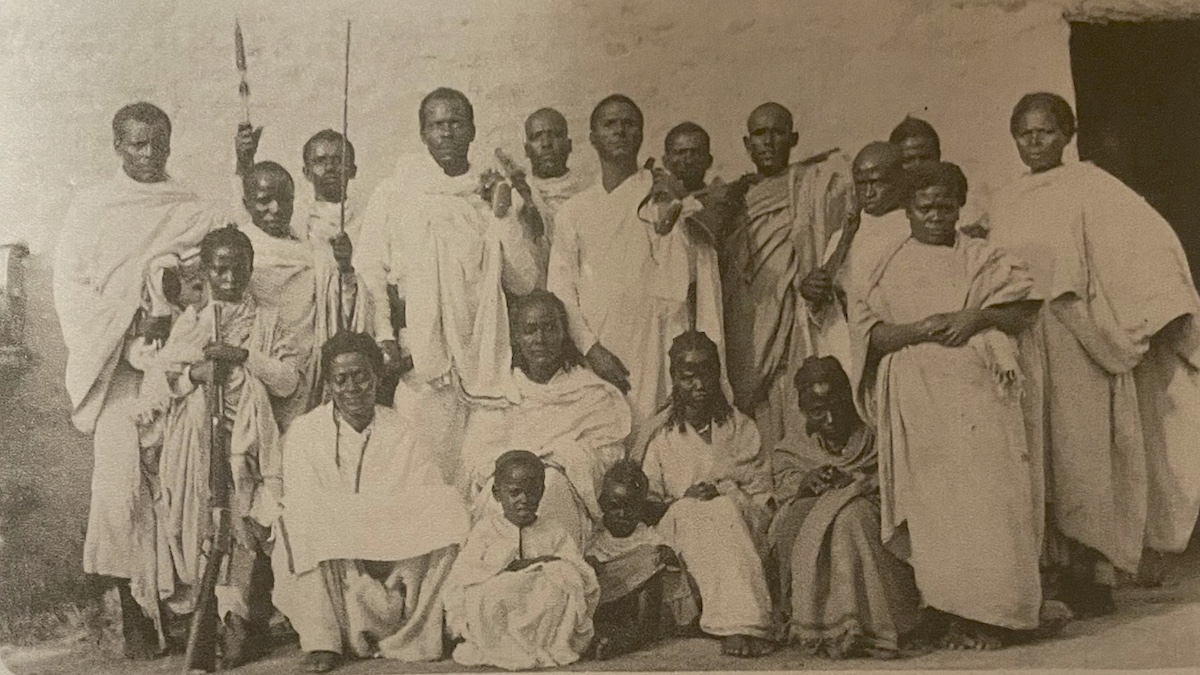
pixel 247 137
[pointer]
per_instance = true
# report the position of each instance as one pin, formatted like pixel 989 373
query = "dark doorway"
pixel 1137 88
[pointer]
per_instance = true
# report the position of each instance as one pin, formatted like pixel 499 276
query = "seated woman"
pixel 566 415
pixel 848 595
pixel 936 367
pixel 705 464
pixel 644 592
pixel 520 595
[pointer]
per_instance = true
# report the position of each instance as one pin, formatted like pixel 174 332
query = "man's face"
pixel 687 157
pixel 876 187
pixel 228 270
pixel 540 336
pixel 621 505
pixel 769 141
pixel 323 168
pixel 448 131
pixel 519 490
pixel 917 150
pixel 696 380
pixel 352 384
pixel 932 214
pixel 547 145
pixel 828 412
pixel 269 200
pixel 144 149
pixel 1040 141
pixel 617 133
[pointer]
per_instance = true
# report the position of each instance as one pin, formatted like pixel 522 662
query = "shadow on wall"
pixel 45 467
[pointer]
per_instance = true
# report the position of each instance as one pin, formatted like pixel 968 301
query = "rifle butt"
pixel 201 654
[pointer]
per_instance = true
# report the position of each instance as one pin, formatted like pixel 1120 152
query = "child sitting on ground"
pixel 520 595
pixel 644 592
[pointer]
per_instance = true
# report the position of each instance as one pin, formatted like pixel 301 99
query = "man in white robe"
pixel 625 283
pixel 1117 346
pixel 305 282
pixel 706 465
pixel 318 218
pixel 792 209
pixel 109 237
pixel 369 529
pixel 450 252
pixel 548 147
pixel 851 251
pixel 574 421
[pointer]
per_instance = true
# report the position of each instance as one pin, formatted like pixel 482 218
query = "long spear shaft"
pixel 345 131
pixel 244 87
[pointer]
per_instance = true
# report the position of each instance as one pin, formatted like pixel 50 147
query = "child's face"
pixel 228 271
pixel 519 491
pixel 622 507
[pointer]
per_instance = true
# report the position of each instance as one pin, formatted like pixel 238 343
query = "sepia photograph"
pixel 437 336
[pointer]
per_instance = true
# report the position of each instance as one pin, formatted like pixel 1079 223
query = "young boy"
pixel 644 592
pixel 520 595
pixel 251 362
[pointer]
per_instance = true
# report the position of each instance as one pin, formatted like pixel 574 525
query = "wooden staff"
pixel 345 131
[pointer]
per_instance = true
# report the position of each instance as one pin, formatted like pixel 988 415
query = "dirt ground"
pixel 1153 628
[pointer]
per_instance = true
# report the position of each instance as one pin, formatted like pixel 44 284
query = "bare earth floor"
pixel 1154 628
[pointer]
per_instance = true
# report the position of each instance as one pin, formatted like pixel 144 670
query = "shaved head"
pixel 879 182
pixel 545 116
pixel 770 138
pixel 547 143
pixel 879 154
pixel 770 111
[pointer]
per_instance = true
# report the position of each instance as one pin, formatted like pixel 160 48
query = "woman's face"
pixel 1040 140
pixel 932 214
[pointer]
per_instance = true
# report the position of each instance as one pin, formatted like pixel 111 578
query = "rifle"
pixel 201 652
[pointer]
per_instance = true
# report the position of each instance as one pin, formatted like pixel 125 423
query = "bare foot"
pixel 967 635
pixel 745 646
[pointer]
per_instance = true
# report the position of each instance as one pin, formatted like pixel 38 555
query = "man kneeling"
pixel 369 529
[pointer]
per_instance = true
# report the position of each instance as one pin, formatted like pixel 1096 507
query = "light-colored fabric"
pixel 790 219
pixel 299 281
pixel 451 259
pixel 403 508
pixel 317 222
pixel 576 422
pixel 1115 275
pixel 626 287
pixel 254 450
pixel 845 590
pixel 721 541
pixel 380 491
pixel 549 194
pixel 625 562
pixel 539 617
pixel 961 490
pixel 109 236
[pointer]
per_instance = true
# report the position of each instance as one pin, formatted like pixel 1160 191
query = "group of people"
pixel 518 417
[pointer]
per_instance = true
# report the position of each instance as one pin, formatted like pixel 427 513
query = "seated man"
pixel 848 595
pixel 520 595
pixel 573 420
pixel 644 592
pixel 306 283
pixel 250 361
pixel 705 463
pixel 369 529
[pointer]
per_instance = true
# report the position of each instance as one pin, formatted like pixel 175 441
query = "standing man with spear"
pixel 306 270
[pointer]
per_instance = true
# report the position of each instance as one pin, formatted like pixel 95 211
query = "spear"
pixel 345 131
pixel 244 87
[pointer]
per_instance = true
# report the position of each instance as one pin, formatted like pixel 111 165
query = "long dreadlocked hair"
pixel 571 355
pixel 689 341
